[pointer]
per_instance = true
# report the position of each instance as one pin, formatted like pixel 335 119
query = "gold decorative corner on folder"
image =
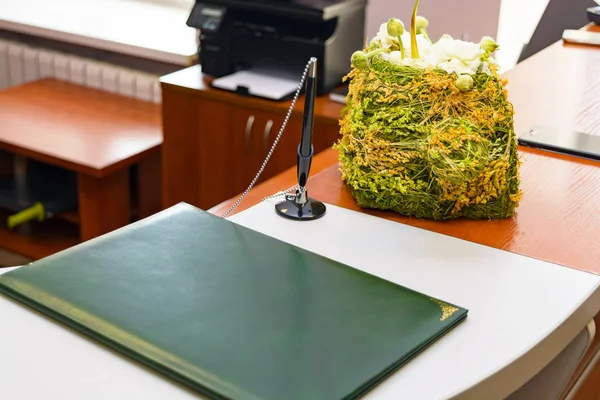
pixel 447 310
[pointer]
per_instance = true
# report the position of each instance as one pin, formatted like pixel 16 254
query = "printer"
pixel 276 39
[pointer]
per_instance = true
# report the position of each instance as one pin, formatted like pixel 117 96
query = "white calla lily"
pixel 422 43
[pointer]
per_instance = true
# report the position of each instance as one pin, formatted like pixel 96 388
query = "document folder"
pixel 233 313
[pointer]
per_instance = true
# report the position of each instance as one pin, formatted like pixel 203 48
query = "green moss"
pixel 413 143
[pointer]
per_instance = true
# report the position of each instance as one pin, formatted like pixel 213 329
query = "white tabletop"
pixel 522 313
pixel 147 29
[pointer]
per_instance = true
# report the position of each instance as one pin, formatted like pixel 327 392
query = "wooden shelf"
pixel 46 238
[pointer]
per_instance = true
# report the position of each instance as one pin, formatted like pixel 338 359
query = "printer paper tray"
pixel 259 84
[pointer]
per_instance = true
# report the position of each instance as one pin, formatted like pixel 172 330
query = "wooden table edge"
pixel 97 172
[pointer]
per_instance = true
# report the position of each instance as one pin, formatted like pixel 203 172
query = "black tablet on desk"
pixel 563 141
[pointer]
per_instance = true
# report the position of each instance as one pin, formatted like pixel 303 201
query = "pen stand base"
pixel 311 210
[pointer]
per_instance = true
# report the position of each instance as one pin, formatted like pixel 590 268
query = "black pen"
pixel 299 206
pixel 305 149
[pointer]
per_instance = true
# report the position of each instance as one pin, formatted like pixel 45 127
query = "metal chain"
pixel 281 130
pixel 278 194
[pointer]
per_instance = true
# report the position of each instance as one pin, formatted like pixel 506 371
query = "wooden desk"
pixel 558 219
pixel 96 134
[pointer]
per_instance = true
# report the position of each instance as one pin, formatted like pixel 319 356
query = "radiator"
pixel 20 63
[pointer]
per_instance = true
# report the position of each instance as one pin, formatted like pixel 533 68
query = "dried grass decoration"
pixel 428 129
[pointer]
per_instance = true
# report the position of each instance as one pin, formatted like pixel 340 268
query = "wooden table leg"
pixel 104 203
pixel 149 186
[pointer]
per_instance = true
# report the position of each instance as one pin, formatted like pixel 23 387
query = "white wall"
pixel 518 19
pixel 471 18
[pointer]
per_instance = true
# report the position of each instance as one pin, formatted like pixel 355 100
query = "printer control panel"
pixel 206 17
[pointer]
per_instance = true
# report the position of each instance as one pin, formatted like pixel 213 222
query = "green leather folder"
pixel 232 313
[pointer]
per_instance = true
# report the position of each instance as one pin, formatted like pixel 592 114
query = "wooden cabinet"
pixel 260 130
pixel 214 142
pixel 251 131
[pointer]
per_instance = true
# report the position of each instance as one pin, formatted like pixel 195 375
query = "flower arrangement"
pixel 428 129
